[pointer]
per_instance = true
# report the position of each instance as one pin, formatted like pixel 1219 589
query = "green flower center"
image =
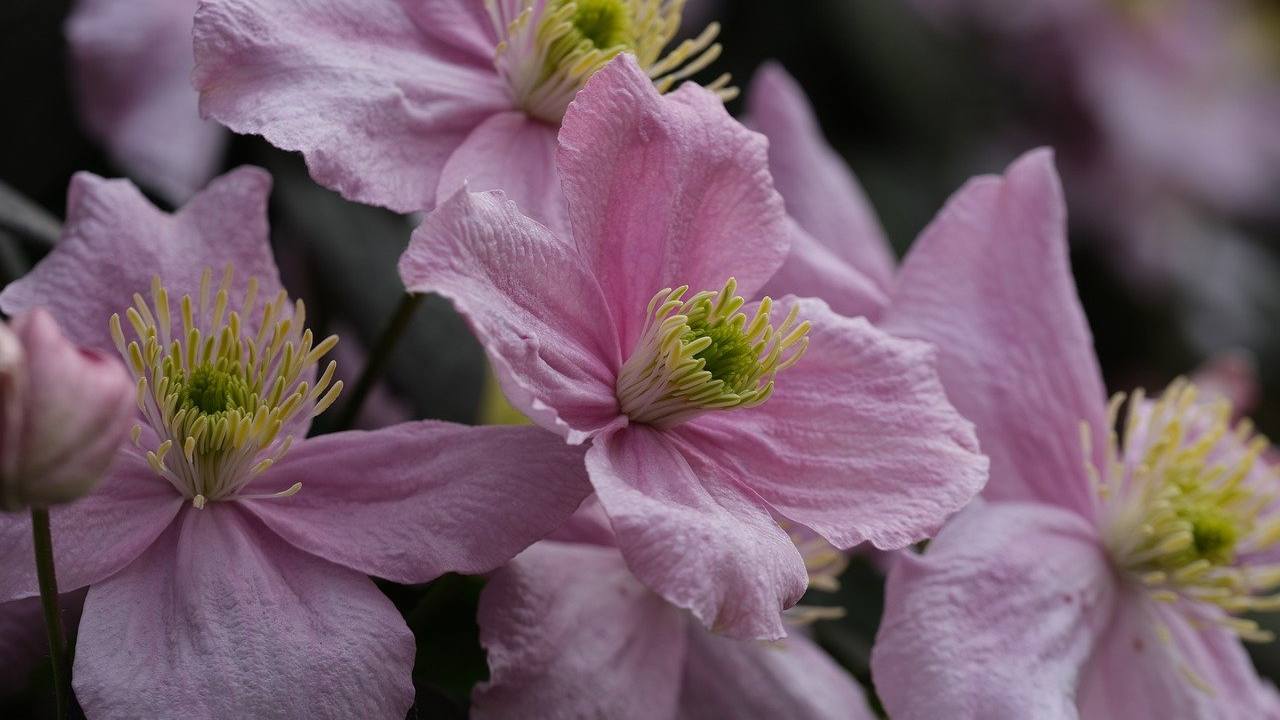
pixel 213 390
pixel 603 23
pixel 730 358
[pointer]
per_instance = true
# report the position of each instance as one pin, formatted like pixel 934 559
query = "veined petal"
pixel 535 307
pixel 695 535
pixel 997 619
pixel 463 26
pixel 354 85
pixel 857 441
pixel 571 634
pixel 989 282
pixel 414 501
pixel 665 191
pixel 221 619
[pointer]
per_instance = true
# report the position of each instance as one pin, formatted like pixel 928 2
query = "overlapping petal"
pixel 666 190
pixel 694 534
pixel 220 619
pixel 534 305
pixel 571 634
pixel 414 501
pixel 989 282
pixel 355 85
pixel 996 619
pixel 857 442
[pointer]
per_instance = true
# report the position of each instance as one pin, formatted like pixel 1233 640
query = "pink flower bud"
pixel 63 414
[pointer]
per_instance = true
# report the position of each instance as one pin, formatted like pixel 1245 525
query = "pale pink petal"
pixel 511 152
pixel 695 535
pixel 537 310
pixel 858 441
pixel 756 680
pixel 820 191
pixel 989 282
pixel 996 619
pixel 814 270
pixel 1231 376
pixel 80 405
pixel 414 501
pixel 666 191
pixel 463 26
pixel 132 67
pixel 23 643
pixel 571 634
pixel 221 619
pixel 115 241
pixel 354 85
pixel 94 537
pixel 1146 662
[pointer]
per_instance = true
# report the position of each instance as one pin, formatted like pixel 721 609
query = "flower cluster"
pixel 730 385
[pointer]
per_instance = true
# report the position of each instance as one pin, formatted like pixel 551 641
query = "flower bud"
pixel 64 411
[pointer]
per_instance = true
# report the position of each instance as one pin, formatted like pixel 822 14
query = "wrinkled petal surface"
pixel 989 282
pixel 571 634
pixel 754 680
pixel 132 65
pixel 114 241
pixel 666 190
pixel 222 619
pixel 355 85
pixel 996 619
pixel 414 501
pixel 858 441
pixel 535 307
pixel 694 534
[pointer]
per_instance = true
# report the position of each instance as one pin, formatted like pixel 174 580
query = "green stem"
pixel 43 541
pixel 378 358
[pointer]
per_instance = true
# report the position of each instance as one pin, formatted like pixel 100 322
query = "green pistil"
pixel 605 23
pixel 1213 534
pixel 730 358
pixel 213 390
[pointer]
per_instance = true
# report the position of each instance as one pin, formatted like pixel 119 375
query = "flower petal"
pixel 534 306
pixel 115 241
pixel 132 62
pixel 94 537
pixel 515 154
pixel 666 190
pixel 221 619
pixel 694 535
pixel 354 85
pixel 1150 661
pixel 813 270
pixel 23 643
pixel 751 679
pixel 414 501
pixel 990 283
pixel 996 619
pixel 820 191
pixel 462 25
pixel 858 441
pixel 571 634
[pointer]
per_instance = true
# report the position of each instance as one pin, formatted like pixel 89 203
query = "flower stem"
pixel 378 358
pixel 43 541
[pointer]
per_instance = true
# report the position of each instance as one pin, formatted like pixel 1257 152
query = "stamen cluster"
pixel 217 397
pixel 550 49
pixel 703 354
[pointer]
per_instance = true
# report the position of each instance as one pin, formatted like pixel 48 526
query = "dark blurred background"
pixel 917 97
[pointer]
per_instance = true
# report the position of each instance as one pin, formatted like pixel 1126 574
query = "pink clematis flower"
pixel 571 633
pixel 1103 577
pixel 704 413
pixel 226 556
pixel 399 103
pixel 132 65
pixel 64 411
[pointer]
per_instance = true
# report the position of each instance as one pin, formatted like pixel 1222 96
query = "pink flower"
pixel 399 103
pixel 226 556
pixel 63 413
pixel 1102 578
pixel 132 65
pixel 704 414
pixel 571 633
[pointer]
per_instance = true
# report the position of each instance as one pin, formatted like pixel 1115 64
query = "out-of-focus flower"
pixel 400 103
pixel 132 65
pixel 226 556
pixel 64 412
pixel 570 632
pixel 23 642
pixel 703 412
pixel 1102 577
